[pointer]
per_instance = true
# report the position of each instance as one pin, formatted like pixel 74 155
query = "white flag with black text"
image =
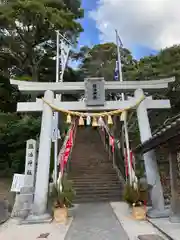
pixel 55 130
pixel 65 48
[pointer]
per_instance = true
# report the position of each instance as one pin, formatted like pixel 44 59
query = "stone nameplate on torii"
pixel 94 91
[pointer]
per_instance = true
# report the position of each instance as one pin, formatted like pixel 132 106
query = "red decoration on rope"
pixel 111 142
pixel 67 150
pixel 126 162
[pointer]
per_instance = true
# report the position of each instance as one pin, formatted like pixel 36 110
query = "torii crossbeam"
pixel 78 87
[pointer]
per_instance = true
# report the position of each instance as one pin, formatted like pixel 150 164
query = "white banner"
pixel 55 131
pixel 55 134
pixel 65 48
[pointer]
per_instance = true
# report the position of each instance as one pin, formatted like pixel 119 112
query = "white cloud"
pixel 152 23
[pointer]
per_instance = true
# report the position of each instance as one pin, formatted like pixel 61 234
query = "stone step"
pixel 82 176
pixel 97 190
pixel 93 166
pixel 91 178
pixel 92 170
pixel 97 199
pixel 88 174
pixel 94 178
pixel 94 174
pixel 86 193
pixel 87 165
pixel 104 180
pixel 97 185
pixel 92 163
pixel 96 195
pixel 89 158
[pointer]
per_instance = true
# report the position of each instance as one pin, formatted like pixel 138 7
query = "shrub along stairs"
pixel 94 178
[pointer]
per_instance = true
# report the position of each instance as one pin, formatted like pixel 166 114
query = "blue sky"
pixel 90 36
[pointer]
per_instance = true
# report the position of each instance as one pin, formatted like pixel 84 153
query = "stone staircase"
pixel 92 173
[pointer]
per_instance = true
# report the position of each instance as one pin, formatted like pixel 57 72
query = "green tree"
pixel 28 31
pixel 165 64
pixel 27 50
pixel 155 67
pixel 9 95
pixel 15 131
pixel 100 61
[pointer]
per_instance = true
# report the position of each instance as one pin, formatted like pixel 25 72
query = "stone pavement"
pixel 51 231
pixel 172 230
pixel 95 221
pixel 133 227
pixel 98 221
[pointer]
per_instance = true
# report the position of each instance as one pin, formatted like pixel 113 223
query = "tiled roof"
pixel 169 123
pixel 169 129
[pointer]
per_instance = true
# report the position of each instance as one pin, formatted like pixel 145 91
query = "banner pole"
pixel 65 49
pixel 123 98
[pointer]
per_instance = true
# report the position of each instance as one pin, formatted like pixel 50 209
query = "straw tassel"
pixel 100 122
pixel 81 121
pixel 68 120
pixel 110 121
pixel 94 123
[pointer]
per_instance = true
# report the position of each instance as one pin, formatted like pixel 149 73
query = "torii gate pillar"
pixel 151 167
pixel 39 210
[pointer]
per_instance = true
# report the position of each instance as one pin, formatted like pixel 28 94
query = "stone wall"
pixel 162 154
pixel 163 164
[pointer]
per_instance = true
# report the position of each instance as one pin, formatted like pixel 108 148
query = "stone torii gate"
pixel 39 211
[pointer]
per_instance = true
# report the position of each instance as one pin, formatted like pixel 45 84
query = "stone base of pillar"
pixel 34 219
pixel 154 213
pixel 22 205
pixel 174 219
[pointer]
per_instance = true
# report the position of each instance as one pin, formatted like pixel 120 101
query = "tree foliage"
pixel 15 131
pixel 9 95
pixel 100 61
pixel 27 29
pixel 27 51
